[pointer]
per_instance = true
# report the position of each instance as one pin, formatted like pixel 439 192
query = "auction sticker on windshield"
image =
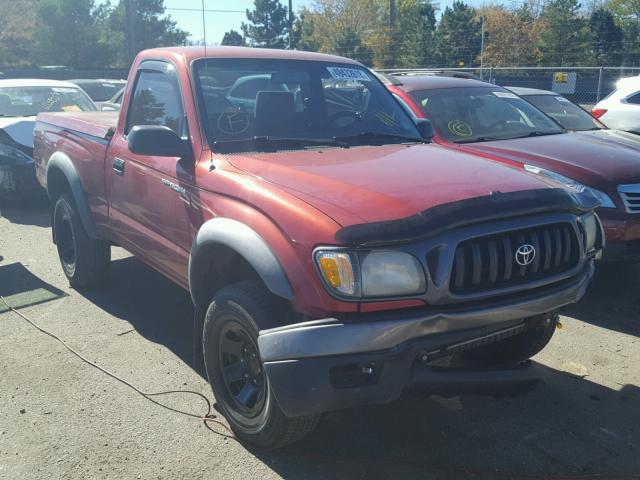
pixel 342 73
pixel 505 95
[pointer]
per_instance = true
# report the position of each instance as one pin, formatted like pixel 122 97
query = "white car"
pixel 621 109
pixel 20 101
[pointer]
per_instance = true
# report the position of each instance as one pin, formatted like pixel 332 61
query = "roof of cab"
pixel 35 82
pixel 412 83
pixel 193 53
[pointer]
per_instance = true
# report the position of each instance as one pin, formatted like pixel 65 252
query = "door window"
pixel 156 101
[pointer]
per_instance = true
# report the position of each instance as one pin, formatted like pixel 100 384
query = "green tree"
pixel 303 32
pixel 267 25
pixel 17 28
pixel 412 37
pixel 606 38
pixel 66 34
pixel 233 38
pixel 458 36
pixel 151 28
pixel 565 38
pixel 348 44
pixel 627 15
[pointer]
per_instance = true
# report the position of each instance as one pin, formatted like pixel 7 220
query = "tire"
pixel 236 373
pixel 85 260
pixel 519 348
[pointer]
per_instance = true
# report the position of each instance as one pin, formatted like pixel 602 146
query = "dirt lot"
pixel 60 418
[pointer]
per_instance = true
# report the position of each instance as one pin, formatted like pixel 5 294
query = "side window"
pixel 156 101
pixel 634 99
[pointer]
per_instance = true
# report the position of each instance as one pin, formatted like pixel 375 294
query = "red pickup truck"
pixel 334 257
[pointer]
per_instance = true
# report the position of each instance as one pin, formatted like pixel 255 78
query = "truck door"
pixel 146 193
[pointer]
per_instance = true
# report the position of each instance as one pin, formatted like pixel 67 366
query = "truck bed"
pixel 96 124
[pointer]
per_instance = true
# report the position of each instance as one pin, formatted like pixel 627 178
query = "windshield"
pixel 296 104
pixel 565 112
pixel 475 114
pixel 101 91
pixel 29 101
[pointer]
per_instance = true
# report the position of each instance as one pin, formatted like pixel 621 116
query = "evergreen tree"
pixel 232 37
pixel 268 24
pixel 564 39
pixel 303 32
pixel 152 28
pixel 66 34
pixel 458 36
pixel 606 38
pixel 348 44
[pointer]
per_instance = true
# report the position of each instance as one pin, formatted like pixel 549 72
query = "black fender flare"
pixel 61 162
pixel 245 242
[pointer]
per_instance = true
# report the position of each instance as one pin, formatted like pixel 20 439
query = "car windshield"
pixel 100 91
pixel 476 114
pixel 255 104
pixel 565 112
pixel 29 101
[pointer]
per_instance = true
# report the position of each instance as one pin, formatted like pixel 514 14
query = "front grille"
pixel 486 263
pixel 630 195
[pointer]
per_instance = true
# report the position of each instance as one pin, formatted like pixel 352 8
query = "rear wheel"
pixel 521 347
pixel 85 260
pixel 236 372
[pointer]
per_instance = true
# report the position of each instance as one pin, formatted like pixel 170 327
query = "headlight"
pixel 591 231
pixel 605 200
pixel 371 274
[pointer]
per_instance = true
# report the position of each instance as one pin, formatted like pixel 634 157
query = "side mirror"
pixel 158 141
pixel 425 128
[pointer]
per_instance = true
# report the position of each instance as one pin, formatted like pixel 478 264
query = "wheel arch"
pixel 224 237
pixel 62 176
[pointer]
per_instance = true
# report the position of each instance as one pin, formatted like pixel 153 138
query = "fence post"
pixel 599 94
pixel 490 74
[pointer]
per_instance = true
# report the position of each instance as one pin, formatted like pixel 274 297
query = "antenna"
pixel 204 31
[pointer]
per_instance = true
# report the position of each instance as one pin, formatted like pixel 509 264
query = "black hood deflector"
pixel 495 206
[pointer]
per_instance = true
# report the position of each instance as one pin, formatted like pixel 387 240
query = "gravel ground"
pixel 60 418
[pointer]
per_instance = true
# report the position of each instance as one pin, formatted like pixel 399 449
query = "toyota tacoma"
pixel 334 257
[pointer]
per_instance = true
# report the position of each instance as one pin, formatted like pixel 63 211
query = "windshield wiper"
pixel 274 143
pixel 479 139
pixel 538 133
pixel 374 136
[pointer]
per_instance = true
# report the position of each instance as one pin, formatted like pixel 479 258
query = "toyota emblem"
pixel 525 254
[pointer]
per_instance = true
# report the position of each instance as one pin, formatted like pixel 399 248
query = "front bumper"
pixel 301 360
pixel 623 239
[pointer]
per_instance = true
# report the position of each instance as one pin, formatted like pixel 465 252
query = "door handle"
pixel 118 165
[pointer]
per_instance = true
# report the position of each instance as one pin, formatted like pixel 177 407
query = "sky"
pixel 224 15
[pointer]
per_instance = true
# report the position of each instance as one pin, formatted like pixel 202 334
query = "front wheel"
pixel 236 372
pixel 85 260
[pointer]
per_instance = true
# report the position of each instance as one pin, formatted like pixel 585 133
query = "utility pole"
pixel 129 20
pixel 290 24
pixel 482 48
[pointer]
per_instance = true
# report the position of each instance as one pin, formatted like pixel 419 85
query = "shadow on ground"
pixel 21 288
pixel 566 426
pixel 34 212
pixel 613 299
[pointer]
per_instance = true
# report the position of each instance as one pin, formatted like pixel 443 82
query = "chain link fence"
pixel 583 85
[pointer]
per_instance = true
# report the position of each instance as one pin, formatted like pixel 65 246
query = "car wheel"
pixel 515 350
pixel 236 373
pixel 85 260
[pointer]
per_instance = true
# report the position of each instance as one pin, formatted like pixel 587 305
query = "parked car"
pixel 20 101
pixel 333 256
pixel 621 108
pixel 569 115
pixel 100 89
pixel 492 122
pixel 113 104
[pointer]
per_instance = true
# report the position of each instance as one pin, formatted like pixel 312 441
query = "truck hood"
pixel 369 184
pixel 19 130
pixel 593 158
